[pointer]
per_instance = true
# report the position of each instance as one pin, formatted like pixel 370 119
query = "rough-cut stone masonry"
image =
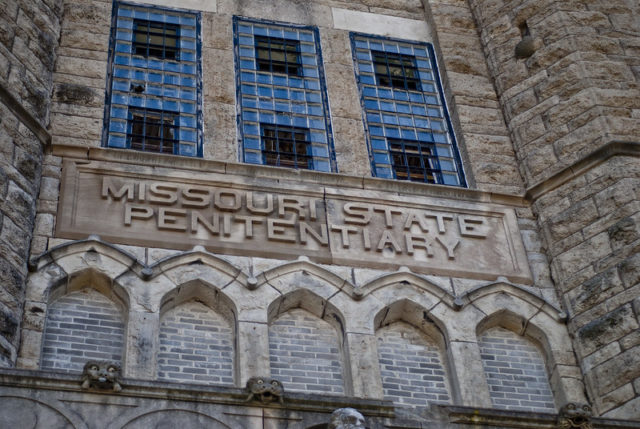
pixel 515 372
pixel 196 345
pixel 82 326
pixel 411 364
pixel 580 92
pixel 29 30
pixel 305 353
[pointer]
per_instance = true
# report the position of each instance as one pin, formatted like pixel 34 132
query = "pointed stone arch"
pixel 515 355
pixel 197 335
pixel 307 344
pixel 412 355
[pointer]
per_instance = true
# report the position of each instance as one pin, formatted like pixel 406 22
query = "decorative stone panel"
pixel 412 366
pixel 515 372
pixel 196 345
pixel 82 326
pixel 305 353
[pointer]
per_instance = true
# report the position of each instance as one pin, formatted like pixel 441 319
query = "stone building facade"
pixel 212 196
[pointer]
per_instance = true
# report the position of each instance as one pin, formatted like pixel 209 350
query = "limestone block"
pixel 578 257
pixel 383 25
pixel 141 345
pixel 195 271
pixel 39 283
pixel 217 32
pixel 78 262
pixel 603 330
pixel 220 138
pixel 600 356
pixel 145 296
pixel 358 316
pixel 76 126
pixel 81 67
pixel 216 82
pixel 614 399
pixel 253 351
pixel 30 347
pixel 308 13
pixel 350 146
pixel 44 225
pixel 468 374
pixel 343 91
pixel 617 371
pixel 458 325
pixel 594 291
pixel 336 46
pixel 364 366
pixel 290 282
pixel 251 305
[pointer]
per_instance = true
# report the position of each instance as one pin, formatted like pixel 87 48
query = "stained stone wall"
pixel 305 353
pixel 29 31
pixel 196 345
pixel 572 111
pixel 82 326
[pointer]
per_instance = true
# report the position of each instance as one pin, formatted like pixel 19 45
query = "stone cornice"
pixel 580 167
pixel 309 177
pixel 24 116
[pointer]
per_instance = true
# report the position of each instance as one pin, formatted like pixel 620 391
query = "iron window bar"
pixel 414 161
pixel 285 146
pixel 277 55
pixel 156 39
pixel 396 70
pixel 152 130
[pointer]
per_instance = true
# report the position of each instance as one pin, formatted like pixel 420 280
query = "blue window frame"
pixel 283 118
pixel 409 131
pixel 154 92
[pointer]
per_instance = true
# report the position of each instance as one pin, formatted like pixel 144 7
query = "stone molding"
pixel 254 300
pixel 308 177
pixel 583 165
pixel 24 116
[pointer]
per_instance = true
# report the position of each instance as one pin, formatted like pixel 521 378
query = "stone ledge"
pixel 61 381
pixel 314 178
pixel 580 167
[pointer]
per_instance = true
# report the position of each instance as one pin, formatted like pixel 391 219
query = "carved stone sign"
pixel 235 215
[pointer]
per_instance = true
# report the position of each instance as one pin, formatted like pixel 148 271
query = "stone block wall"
pixel 570 107
pixel 305 355
pixel 82 326
pixel 196 345
pixel 29 31
pixel 515 371
pixel 412 367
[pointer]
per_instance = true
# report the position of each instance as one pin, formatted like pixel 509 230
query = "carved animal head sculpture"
pixel 101 375
pixel 265 390
pixel 346 418
pixel 574 415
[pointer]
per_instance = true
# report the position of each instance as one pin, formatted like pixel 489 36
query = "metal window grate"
pixel 154 94
pixel 278 55
pixel 396 70
pixel 414 160
pixel 152 130
pixel 285 146
pixel 409 131
pixel 156 39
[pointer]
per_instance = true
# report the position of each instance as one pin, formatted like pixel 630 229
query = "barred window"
pixel 283 119
pixel 154 95
pixel 285 146
pixel 398 71
pixel 278 55
pixel 409 132
pixel 155 39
